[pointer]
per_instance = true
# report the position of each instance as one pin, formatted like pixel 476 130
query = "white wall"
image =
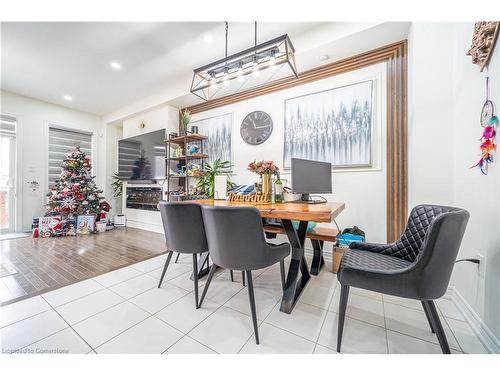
pixel 113 134
pixel 446 93
pixel 477 193
pixel 33 118
pixel 163 117
pixel 362 190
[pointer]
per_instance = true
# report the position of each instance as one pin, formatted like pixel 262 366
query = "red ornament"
pixel 79 196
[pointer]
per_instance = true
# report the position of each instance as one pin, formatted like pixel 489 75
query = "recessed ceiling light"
pixel 68 98
pixel 115 65
pixel 324 57
pixel 208 38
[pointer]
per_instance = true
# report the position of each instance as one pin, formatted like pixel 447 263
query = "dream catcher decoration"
pixel 489 122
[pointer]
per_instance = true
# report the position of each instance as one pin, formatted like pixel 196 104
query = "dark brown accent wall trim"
pixel 395 56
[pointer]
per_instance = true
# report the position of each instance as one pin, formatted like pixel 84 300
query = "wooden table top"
pixel 320 212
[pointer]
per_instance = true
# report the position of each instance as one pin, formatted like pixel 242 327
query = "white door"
pixel 7 174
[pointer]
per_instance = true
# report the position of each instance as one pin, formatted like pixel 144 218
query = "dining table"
pixel 298 274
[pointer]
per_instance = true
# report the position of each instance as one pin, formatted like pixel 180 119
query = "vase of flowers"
pixel 265 169
pixel 185 117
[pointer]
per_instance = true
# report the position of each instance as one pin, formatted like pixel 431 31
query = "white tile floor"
pixel 124 312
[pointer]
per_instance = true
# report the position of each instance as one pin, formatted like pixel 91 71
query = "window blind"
pixel 61 141
pixel 7 125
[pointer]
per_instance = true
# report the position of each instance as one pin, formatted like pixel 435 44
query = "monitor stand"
pixel 306 198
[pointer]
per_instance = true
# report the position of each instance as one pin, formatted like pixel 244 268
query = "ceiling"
pixel 48 60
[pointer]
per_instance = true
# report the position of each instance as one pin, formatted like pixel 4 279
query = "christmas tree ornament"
pixel 68 202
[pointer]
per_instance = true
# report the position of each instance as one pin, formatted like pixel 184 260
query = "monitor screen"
pixel 142 157
pixel 311 177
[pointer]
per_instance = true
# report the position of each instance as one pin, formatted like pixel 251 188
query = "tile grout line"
pixel 104 288
pixel 326 316
pixel 385 327
pixel 259 325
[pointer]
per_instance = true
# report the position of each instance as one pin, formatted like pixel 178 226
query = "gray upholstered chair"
pixel 236 241
pixel 184 233
pixel 417 266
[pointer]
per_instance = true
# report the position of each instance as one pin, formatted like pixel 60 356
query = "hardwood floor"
pixel 44 264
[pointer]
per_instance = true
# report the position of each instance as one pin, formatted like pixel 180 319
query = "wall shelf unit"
pixel 182 180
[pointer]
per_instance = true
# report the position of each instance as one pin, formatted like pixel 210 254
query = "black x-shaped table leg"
pixel 318 261
pixel 298 273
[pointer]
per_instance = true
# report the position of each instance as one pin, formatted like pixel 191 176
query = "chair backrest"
pixel 235 237
pixel 439 249
pixel 410 244
pixel 183 225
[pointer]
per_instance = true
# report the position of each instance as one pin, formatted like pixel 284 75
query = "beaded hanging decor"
pixel 489 122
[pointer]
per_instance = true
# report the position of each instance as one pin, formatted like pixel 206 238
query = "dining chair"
pixel 184 233
pixel 417 266
pixel 236 241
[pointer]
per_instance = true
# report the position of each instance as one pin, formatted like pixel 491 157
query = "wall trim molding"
pixel 482 331
pixel 395 57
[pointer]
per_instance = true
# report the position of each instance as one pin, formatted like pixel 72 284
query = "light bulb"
pixel 272 60
pixel 225 82
pixel 214 85
pixel 255 73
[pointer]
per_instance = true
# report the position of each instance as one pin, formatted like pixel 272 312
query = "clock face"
pixel 256 127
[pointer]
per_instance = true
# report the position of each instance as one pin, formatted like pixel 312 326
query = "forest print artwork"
pixel 333 126
pixel 218 131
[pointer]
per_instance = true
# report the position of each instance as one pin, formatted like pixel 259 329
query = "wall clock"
pixel 256 127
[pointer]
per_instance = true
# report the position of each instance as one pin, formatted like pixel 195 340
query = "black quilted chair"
pixel 417 266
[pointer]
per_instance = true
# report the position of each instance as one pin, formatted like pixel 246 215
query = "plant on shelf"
pixel 205 184
pixel 117 185
pixel 185 117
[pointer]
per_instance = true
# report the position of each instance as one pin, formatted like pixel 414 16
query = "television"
pixel 142 158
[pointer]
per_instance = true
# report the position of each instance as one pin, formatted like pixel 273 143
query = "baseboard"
pixel 144 226
pixel 487 338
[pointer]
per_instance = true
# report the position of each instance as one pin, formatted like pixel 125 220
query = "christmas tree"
pixel 75 192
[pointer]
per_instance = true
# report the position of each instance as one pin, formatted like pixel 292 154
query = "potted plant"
pixel 117 185
pixel 265 169
pixel 206 182
pixel 185 117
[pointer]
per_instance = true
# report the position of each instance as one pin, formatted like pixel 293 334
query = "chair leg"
pixel 344 295
pixel 251 296
pixel 232 275
pixel 282 271
pixel 428 316
pixel 177 257
pixel 195 278
pixel 243 277
pixel 436 323
pixel 209 279
pixel 165 267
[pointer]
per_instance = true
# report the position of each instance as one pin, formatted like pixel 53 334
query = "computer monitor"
pixel 311 177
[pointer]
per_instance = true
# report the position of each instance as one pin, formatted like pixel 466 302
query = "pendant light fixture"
pixel 245 70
